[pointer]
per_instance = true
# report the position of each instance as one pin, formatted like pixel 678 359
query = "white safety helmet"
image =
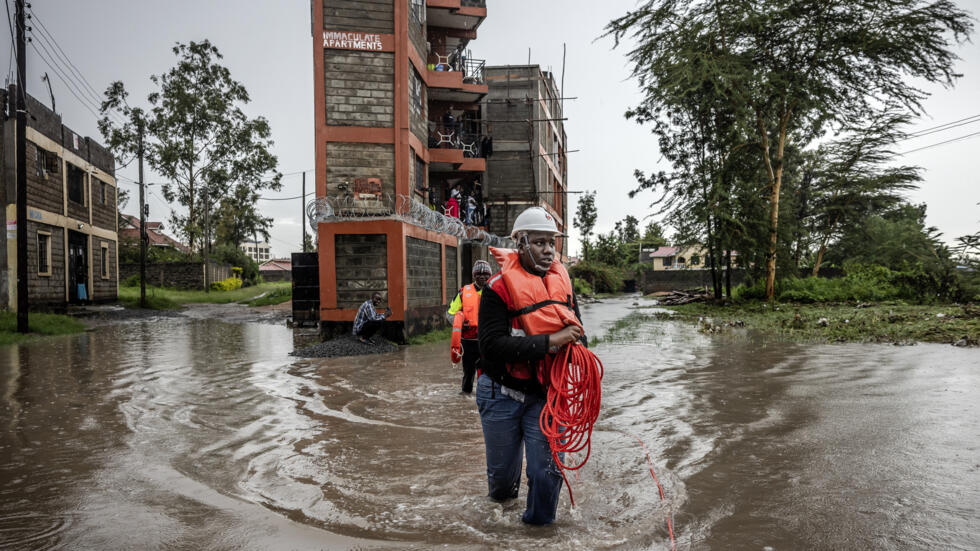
pixel 534 219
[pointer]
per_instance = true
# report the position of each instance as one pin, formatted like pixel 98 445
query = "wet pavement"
pixel 197 433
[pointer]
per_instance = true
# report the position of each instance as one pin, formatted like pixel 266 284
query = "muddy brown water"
pixel 189 433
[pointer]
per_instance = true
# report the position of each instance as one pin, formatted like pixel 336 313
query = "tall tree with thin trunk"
pixel 792 69
pixel 199 140
pixel 584 221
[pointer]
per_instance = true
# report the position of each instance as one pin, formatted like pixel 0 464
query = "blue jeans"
pixel 509 427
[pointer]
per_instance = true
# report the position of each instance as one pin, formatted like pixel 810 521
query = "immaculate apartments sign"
pixel 368 42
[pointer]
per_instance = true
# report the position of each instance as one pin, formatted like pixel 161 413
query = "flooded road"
pixel 184 433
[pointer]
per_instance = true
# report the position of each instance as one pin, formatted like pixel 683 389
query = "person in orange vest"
pixel 527 310
pixel 463 312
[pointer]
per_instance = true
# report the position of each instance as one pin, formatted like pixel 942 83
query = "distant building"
pixel 130 231
pixel 277 269
pixel 693 257
pixel 71 212
pixel 257 251
pixel 523 114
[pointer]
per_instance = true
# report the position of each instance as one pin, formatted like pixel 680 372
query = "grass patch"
pixel 39 324
pixel 277 296
pixel 153 300
pixel 436 335
pixel 894 322
pixel 181 296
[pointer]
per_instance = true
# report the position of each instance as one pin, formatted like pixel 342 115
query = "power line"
pixel 70 88
pixel 941 143
pixel 943 128
pixel 937 128
pixel 286 198
pixel 45 31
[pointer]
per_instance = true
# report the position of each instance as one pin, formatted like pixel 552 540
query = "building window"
pixel 415 92
pixel 668 261
pixel 105 260
pixel 43 253
pixel 76 184
pixel 680 260
pixel 418 11
pixel 695 260
pixel 103 192
pixel 45 162
pixel 419 174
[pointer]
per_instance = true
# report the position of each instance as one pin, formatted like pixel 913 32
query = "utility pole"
pixel 47 79
pixel 207 243
pixel 302 204
pixel 21 147
pixel 143 235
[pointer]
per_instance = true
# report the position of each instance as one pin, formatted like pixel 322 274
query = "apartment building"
pixel 259 251
pixel 523 114
pixel 71 212
pixel 399 140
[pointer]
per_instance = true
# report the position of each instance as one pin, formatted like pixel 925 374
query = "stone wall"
pixel 361 264
pixel 360 88
pixel 452 274
pixel 44 191
pixel 45 289
pixel 348 161
pixel 424 267
pixel 103 288
pixel 371 16
pixel 182 275
pixel 671 280
pixel 276 275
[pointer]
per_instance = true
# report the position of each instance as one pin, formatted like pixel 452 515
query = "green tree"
pixel 308 245
pixel 584 220
pixel 653 235
pixel 791 70
pixel 238 218
pixel 197 138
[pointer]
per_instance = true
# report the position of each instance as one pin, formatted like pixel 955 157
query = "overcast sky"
pixel 267 46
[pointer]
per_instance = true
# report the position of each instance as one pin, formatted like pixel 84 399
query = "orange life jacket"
pixel 456 346
pixel 470 297
pixel 540 305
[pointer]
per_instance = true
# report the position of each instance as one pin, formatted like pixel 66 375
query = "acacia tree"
pixel 791 70
pixel 584 220
pixel 197 138
pixel 850 182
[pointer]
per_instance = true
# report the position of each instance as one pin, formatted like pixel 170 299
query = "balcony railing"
pixel 472 69
pixel 463 135
pixel 473 3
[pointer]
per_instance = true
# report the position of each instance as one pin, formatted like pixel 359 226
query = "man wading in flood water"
pixel 510 393
pixel 463 312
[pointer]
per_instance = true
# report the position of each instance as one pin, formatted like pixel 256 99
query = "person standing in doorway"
pixel 511 390
pixel 368 321
pixel 466 305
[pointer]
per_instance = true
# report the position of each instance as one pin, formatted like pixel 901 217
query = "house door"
pixel 78 288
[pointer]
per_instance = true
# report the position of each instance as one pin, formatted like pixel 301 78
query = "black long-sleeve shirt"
pixel 498 347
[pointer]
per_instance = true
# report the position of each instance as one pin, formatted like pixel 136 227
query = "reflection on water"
pixel 197 434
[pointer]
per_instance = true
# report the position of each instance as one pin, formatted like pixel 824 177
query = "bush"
pixel 604 278
pixel 229 284
pixel 131 281
pixel 582 287
pixel 861 283
pixel 230 254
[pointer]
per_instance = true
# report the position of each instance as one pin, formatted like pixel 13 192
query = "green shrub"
pixel 236 271
pixel 229 284
pixel 582 287
pixel 604 278
pixel 131 281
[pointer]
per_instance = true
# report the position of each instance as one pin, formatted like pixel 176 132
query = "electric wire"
pixel 960 138
pixel 44 31
pixel 941 127
pixel 58 74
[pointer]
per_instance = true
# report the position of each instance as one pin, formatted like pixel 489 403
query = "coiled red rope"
pixel 572 406
pixel 571 410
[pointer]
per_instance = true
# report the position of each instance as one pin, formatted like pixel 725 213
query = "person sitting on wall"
pixel 368 321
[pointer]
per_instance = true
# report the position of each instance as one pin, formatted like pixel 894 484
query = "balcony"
pixel 457 146
pixel 456 77
pixel 456 14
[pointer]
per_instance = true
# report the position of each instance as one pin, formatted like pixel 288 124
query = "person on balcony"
pixel 471 210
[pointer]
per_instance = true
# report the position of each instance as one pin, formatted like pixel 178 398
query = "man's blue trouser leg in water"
pixel 510 427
